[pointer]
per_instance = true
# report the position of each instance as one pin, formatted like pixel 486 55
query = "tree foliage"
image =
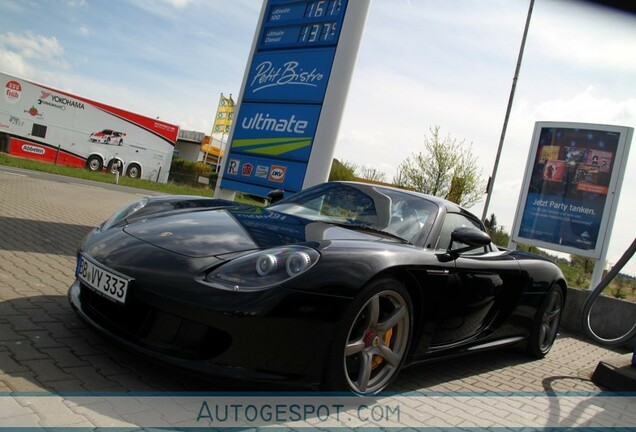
pixel 497 233
pixel 370 173
pixel 342 171
pixel 584 263
pixel 446 168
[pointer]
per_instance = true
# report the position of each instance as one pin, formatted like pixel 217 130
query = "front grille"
pixel 153 328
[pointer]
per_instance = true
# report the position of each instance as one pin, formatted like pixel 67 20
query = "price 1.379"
pixel 323 32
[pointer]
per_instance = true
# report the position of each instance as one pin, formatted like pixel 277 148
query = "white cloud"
pixel 588 106
pixel 14 64
pixel 33 47
pixel 179 3
pixel 606 41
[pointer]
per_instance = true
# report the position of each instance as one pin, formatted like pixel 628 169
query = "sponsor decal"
pixel 28 148
pixel 165 126
pixel 58 102
pixel 233 166
pixel 290 73
pixel 247 169
pixel 12 91
pixel 15 121
pixel 261 171
pixel 4 126
pixel 277 174
pixel 33 112
pixel 266 123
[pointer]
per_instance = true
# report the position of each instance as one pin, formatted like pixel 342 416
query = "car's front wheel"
pixel 94 163
pixel 546 324
pixel 372 340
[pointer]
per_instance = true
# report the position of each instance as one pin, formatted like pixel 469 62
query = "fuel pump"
pixel 587 307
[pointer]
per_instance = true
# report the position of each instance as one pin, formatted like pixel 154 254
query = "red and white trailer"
pixel 43 123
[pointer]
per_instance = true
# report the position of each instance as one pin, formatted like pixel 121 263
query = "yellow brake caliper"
pixel 377 360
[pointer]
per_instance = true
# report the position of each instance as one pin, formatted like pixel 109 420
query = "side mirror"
pixel 275 195
pixel 472 237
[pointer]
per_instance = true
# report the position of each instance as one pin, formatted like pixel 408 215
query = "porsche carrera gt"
pixel 337 287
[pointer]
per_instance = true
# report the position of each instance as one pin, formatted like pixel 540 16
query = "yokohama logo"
pixel 32 149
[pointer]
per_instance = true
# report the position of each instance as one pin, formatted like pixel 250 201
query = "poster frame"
pixel 613 193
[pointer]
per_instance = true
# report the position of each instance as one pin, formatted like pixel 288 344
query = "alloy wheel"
pixel 377 342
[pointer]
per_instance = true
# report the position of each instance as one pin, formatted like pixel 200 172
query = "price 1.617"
pixel 320 8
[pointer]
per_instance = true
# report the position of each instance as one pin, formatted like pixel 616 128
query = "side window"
pixel 38 130
pixel 451 223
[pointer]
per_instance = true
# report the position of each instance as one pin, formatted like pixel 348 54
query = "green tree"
pixel 498 235
pixel 584 263
pixel 344 171
pixel 369 173
pixel 491 224
pixel 447 168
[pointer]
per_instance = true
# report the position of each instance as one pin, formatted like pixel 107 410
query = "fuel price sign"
pixel 287 122
pixel 302 24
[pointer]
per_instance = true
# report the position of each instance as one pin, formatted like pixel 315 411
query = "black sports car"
pixel 336 287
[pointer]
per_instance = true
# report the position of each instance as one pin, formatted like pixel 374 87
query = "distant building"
pixel 188 145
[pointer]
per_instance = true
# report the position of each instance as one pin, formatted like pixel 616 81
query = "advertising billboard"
pixel 571 186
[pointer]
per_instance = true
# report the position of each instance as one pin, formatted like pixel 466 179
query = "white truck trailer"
pixel 46 124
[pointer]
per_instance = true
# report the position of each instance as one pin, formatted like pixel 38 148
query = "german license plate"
pixel 105 282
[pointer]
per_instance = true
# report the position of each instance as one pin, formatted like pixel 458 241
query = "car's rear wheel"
pixel 372 340
pixel 546 324
pixel 94 163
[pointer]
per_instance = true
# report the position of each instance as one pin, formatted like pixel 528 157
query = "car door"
pixel 481 287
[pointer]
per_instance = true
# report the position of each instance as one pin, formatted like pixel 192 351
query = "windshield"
pixel 404 215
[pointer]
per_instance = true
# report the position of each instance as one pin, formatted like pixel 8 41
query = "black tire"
pixel 94 163
pixel 111 168
pixel 372 339
pixel 4 143
pixel 133 171
pixel 546 324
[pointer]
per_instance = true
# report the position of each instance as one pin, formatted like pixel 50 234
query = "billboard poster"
pixel 572 173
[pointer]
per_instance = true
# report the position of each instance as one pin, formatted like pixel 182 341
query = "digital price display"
pixel 302 24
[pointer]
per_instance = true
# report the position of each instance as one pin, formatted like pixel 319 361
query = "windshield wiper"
pixel 359 226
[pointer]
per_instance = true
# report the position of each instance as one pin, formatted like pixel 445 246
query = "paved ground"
pixel 45 347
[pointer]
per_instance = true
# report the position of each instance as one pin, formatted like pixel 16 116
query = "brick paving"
pixel 44 347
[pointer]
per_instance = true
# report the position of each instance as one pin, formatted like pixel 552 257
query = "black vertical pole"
pixel 491 180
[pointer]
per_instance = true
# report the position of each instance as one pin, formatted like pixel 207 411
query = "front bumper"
pixel 286 343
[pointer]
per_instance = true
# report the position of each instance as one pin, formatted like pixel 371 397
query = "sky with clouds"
pixel 422 63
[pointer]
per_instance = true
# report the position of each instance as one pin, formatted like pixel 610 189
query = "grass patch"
pixel 81 173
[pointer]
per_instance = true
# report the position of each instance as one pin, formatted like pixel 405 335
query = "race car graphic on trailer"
pixel 108 136
pixel 46 124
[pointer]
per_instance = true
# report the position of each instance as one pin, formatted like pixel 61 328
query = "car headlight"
pixel 124 212
pixel 264 269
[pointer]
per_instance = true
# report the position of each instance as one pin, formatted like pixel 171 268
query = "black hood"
pixel 220 231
